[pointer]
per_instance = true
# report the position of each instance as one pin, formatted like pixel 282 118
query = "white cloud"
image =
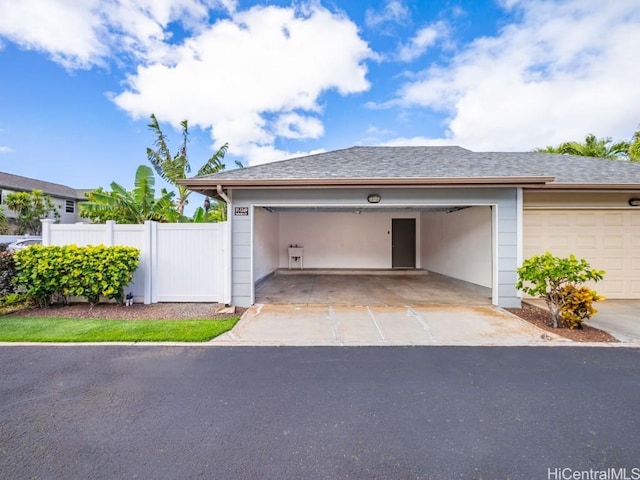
pixel 421 41
pixel 254 76
pixel 81 34
pixel 4 149
pixel 292 125
pixel 393 12
pixel 68 31
pixel 565 69
pixel 415 142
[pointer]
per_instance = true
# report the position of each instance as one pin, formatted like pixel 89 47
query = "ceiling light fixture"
pixel 374 198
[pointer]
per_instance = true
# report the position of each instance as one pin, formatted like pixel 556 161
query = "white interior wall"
pixel 458 244
pixel 265 242
pixel 341 239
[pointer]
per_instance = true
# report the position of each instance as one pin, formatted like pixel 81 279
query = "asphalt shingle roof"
pixel 19 183
pixel 439 162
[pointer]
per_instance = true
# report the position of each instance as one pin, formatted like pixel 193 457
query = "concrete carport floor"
pixel 355 287
pixel 378 309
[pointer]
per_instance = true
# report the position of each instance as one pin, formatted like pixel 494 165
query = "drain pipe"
pixel 223 195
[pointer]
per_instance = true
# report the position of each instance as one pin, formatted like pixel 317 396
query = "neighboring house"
pixel 65 198
pixel 471 216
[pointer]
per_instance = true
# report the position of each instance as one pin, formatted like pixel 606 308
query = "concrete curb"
pixel 213 343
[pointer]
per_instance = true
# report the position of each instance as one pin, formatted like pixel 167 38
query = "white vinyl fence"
pixel 179 262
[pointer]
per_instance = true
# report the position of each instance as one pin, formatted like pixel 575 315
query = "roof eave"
pixel 341 182
pixel 209 186
pixel 589 186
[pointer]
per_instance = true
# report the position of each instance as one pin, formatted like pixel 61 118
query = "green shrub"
pixel 13 299
pixel 72 271
pixel 14 302
pixel 7 273
pixel 550 277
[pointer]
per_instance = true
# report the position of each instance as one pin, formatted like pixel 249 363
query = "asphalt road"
pixel 115 412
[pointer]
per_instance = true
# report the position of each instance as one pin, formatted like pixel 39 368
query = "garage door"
pixel 608 239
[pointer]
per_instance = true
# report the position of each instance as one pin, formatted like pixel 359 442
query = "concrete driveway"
pixel 377 308
pixel 325 325
pixel 620 318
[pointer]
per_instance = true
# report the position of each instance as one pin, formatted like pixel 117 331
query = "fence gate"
pixel 188 263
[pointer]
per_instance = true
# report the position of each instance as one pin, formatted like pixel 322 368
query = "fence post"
pixel 110 232
pixel 46 231
pixel 146 262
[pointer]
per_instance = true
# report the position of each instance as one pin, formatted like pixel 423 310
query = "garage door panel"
pixel 586 220
pixel 559 219
pixel 608 240
pixel 612 220
pixel 610 265
pixel 614 288
pixel 558 241
pixel 587 241
pixel 613 241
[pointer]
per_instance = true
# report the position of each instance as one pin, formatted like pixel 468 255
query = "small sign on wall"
pixel 241 211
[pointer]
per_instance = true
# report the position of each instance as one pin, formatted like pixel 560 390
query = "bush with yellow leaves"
pixel 577 305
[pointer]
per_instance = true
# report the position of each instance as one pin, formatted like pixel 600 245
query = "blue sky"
pixel 275 79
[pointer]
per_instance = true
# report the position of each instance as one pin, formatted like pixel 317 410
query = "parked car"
pixel 25 242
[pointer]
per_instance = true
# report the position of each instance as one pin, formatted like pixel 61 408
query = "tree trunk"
pixel 555 312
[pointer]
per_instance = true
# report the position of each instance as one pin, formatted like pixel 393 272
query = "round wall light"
pixel 375 198
pixel 634 202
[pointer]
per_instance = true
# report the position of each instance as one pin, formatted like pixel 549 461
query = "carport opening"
pixel 430 254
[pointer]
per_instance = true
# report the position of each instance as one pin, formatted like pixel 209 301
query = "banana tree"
pixel 135 206
pixel 176 167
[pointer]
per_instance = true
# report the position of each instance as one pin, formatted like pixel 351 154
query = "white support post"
pixel 519 231
pixel 46 231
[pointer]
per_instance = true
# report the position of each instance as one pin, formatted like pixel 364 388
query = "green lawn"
pixel 53 329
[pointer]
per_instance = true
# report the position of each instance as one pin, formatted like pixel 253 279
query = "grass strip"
pixel 54 329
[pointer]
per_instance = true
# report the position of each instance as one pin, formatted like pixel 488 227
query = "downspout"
pixel 222 194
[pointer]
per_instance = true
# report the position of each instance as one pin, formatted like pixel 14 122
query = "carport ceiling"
pixel 369 209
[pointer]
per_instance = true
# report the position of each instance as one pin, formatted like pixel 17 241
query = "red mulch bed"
pixel 541 318
pixel 137 311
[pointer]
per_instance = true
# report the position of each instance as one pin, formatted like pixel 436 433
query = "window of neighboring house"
pixel 70 206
